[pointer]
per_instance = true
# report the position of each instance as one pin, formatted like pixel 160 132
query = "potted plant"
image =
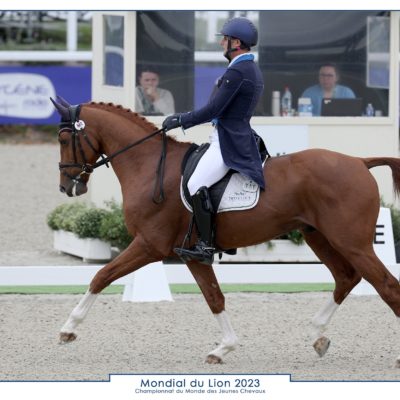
pixel 85 231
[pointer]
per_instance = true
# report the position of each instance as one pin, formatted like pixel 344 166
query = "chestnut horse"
pixel 330 197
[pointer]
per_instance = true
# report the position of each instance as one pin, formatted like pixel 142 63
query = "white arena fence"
pixel 151 283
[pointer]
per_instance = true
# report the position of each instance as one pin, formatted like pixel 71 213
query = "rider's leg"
pixel 210 169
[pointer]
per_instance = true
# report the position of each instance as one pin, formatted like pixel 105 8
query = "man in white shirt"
pixel 150 99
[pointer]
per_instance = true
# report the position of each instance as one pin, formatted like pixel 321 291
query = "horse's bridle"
pixel 76 127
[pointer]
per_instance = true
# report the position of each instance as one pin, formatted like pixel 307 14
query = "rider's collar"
pixel 241 57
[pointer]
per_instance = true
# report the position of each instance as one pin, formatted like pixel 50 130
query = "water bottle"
pixel 369 111
pixel 286 103
pixel 275 104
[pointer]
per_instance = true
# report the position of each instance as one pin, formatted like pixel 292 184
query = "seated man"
pixel 327 88
pixel 150 99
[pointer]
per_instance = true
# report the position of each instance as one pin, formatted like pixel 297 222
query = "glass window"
pixel 113 50
pixel 378 52
pixel 165 62
pixel 293 46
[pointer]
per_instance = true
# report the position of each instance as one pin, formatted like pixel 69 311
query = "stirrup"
pixel 199 252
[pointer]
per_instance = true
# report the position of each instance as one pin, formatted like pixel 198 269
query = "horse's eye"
pixel 63 142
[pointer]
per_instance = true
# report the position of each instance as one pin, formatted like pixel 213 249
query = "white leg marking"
pixel 229 338
pixel 79 313
pixel 322 318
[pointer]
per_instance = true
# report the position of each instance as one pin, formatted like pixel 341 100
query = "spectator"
pixel 150 99
pixel 327 88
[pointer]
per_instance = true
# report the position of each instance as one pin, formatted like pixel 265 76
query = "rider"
pixel 232 143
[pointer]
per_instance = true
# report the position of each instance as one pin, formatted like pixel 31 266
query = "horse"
pixel 332 198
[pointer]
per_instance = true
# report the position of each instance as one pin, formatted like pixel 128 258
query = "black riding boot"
pixel 203 250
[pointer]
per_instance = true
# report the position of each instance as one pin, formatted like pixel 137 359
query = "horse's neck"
pixel 116 140
pixel 136 166
pixel 116 133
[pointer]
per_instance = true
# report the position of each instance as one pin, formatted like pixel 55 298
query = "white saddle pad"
pixel 241 193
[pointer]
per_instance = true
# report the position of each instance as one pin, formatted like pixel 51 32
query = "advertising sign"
pixel 25 92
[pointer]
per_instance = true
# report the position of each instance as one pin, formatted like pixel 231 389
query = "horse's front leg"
pixel 133 258
pixel 205 278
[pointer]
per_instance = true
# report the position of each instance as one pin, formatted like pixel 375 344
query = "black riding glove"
pixel 172 122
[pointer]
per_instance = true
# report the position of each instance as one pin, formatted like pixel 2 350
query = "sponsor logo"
pixel 26 95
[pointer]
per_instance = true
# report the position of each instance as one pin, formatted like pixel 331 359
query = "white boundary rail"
pixel 176 273
pixel 152 281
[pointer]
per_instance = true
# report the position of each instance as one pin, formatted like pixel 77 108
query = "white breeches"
pixel 211 167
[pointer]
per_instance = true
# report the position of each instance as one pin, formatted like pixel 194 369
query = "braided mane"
pixel 130 115
pixel 124 112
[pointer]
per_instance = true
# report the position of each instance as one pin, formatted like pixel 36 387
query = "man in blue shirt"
pixel 327 88
pixel 233 145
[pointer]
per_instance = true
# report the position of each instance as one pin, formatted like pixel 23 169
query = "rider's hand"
pixel 172 122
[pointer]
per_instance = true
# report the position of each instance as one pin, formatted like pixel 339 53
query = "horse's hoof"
pixel 211 359
pixel 321 345
pixel 66 337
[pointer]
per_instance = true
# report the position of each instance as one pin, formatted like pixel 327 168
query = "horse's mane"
pixel 130 115
pixel 126 113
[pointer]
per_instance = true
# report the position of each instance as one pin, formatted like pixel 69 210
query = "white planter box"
pixel 88 249
pixel 281 251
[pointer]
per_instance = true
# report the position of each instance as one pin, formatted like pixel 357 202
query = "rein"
pixel 77 126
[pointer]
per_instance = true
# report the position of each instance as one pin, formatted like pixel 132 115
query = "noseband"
pixel 77 129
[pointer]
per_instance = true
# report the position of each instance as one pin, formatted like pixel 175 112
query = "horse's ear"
pixel 62 110
pixel 63 101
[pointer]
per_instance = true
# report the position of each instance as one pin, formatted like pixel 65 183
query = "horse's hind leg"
pixel 372 269
pixel 345 279
pixel 133 258
pixel 209 286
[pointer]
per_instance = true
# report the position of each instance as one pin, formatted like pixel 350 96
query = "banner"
pixel 25 92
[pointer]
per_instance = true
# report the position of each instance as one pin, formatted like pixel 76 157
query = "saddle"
pixel 234 192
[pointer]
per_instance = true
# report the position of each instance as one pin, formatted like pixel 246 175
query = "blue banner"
pixel 25 92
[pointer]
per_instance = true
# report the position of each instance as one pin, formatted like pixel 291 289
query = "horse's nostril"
pixel 62 189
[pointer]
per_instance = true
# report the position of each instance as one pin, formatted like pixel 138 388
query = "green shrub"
pixel 295 237
pixel 88 222
pixel 64 216
pixel 113 228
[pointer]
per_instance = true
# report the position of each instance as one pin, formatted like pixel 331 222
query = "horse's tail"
pixel 393 163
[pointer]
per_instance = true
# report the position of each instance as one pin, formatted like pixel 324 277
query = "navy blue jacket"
pixel 233 103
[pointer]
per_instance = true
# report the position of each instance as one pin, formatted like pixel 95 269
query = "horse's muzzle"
pixel 74 189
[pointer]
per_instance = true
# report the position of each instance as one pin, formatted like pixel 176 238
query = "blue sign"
pixel 25 92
